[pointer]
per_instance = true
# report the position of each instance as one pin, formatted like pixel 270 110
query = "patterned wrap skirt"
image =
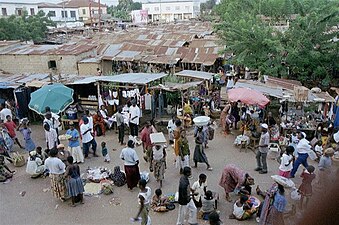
pixel 58 185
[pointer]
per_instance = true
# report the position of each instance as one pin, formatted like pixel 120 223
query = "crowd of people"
pixel 60 164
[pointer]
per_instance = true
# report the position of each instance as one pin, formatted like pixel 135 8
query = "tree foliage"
pixel 285 38
pixel 123 9
pixel 25 27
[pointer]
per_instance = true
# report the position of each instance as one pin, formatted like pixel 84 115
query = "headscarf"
pixel 118 177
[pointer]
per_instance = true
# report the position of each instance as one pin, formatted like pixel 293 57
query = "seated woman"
pixel 242 209
pixel 4 175
pixel 35 165
pixel 159 202
pixel 208 205
pixel 99 124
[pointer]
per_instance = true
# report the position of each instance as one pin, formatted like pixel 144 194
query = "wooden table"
pixel 65 122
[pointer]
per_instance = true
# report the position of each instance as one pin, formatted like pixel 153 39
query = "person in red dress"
pixel 11 126
pixel 305 188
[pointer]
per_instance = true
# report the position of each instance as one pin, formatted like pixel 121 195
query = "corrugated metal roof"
pixel 196 74
pixel 127 78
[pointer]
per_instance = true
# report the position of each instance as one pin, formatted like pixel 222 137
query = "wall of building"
pixel 17 8
pixel 170 11
pixel 106 67
pixel 65 64
pixel 61 15
pixel 84 12
pixel 88 69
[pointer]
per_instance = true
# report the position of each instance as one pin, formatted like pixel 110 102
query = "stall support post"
pixel 98 92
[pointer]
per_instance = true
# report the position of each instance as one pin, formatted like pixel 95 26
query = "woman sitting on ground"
pixel 159 202
pixel 35 165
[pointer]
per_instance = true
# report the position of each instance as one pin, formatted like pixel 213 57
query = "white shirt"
pixel 199 189
pixel 303 146
pixel 129 155
pixel 55 165
pixel 51 138
pixel 238 211
pixel 90 122
pixel 171 126
pixel 285 159
pixel 88 136
pixel 146 195
pixel 318 148
pixel 103 113
pixel 134 112
pixel 56 120
pixel 158 154
pixel 4 113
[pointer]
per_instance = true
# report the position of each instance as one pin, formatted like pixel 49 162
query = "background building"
pixel 63 16
pixel 17 8
pixel 172 10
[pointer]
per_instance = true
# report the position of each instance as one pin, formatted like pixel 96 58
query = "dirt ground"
pixel 38 206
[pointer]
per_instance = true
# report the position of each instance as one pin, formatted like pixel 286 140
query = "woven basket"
pixel 19 163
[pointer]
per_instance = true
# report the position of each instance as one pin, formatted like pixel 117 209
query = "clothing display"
pixel 148 101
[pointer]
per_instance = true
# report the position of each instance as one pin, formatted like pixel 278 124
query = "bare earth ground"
pixel 39 207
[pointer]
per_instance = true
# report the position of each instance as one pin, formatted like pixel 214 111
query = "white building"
pixel 17 8
pixel 59 13
pixel 172 10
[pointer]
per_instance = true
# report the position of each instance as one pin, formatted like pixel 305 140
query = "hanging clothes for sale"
pixel 153 106
pixel 100 101
pixel 148 101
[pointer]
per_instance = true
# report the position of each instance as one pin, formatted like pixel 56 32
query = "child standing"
pixel 286 162
pixel 104 152
pixel 26 132
pixel 11 126
pixel 305 188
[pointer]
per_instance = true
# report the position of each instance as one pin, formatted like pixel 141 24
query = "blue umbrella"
pixel 57 96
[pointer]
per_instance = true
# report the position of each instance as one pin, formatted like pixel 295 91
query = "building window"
pixel 156 8
pixel 187 7
pixel 32 11
pixel 64 14
pixel 52 64
pixel 177 8
pixel 18 12
pixel 83 11
pixel 168 8
pixel 4 11
pixel 73 14
pixel 51 14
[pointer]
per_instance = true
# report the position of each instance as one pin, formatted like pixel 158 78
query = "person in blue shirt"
pixel 74 144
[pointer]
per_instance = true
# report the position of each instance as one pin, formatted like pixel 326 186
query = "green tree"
pixel 123 9
pixel 25 27
pixel 303 49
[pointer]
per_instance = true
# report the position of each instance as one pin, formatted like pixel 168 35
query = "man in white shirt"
pixel 54 120
pixel 303 147
pixel 90 119
pixel 134 112
pixel 4 112
pixel 87 138
pixel 51 136
pixel 263 150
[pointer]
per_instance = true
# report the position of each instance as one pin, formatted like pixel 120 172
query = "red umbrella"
pixel 247 96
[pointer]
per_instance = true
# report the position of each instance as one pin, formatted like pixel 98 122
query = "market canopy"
pixel 247 96
pixel 196 74
pixel 127 78
pixel 57 96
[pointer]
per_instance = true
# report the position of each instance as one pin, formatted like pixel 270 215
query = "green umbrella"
pixel 57 96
